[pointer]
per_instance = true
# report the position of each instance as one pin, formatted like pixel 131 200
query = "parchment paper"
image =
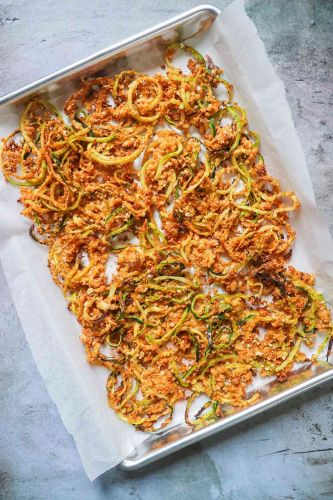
pixel 52 332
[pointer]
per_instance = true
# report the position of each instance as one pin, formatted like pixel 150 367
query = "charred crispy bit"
pixel 268 279
pixel 171 247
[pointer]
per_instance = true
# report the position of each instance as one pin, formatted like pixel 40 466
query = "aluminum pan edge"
pixel 201 11
pixel 174 439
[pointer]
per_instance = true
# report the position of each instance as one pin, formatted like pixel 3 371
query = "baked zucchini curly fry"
pixel 205 298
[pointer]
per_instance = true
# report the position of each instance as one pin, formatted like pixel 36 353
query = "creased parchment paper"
pixel 52 332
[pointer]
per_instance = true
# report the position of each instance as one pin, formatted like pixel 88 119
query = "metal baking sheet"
pixel 183 26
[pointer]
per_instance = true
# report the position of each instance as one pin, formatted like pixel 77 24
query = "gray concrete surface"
pixel 284 454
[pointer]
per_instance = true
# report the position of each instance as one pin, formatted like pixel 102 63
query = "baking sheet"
pixel 52 332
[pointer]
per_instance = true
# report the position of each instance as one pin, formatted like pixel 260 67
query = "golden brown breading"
pixel 202 298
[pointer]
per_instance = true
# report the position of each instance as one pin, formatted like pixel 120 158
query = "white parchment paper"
pixel 52 332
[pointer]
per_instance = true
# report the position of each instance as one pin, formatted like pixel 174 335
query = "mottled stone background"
pixel 284 454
